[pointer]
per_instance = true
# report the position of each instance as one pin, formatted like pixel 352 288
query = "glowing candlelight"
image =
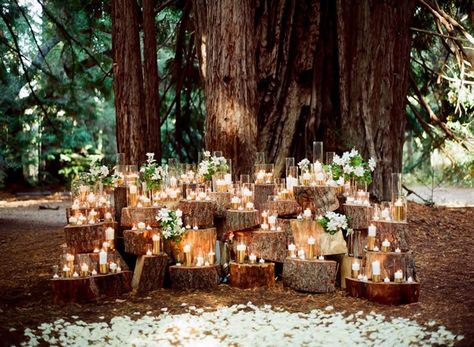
pixel 376 271
pixel 311 242
pixel 386 246
pixel 84 269
pixel 371 237
pixel 103 262
pixel 241 253
pixel 355 269
pixel 291 250
pixel 187 255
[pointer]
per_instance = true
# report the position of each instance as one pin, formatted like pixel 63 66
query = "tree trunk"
pixel 325 70
pixel 151 80
pixel 374 42
pixel 225 38
pixel 128 81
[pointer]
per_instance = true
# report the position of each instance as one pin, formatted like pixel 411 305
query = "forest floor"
pixel 441 239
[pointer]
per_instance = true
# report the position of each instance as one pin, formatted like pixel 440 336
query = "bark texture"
pixel 395 232
pixel 200 213
pixel 384 293
pixel 204 277
pixel 315 276
pixel 390 262
pixel 357 216
pixel 318 199
pixel 225 41
pixel 266 244
pixel 149 273
pixel 241 220
pixel 128 81
pixel 132 216
pixel 247 276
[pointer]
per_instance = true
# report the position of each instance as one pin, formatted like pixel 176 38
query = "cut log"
pixel 318 199
pixel 395 232
pixel 390 262
pixel 137 242
pixel 262 192
pixel 92 288
pixel 222 201
pixel 357 215
pixel 200 213
pixel 325 243
pixel 346 268
pixel 246 276
pixel 384 293
pixel 92 260
pixel 149 273
pixel 203 277
pixel 132 216
pixel 266 244
pixel 84 238
pixel 285 225
pixel 241 220
pixel 314 276
pixel 284 208
pixel 201 241
pixel 120 202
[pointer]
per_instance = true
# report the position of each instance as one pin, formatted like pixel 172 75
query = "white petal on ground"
pixel 243 325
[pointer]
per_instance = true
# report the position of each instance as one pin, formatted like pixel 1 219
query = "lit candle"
pixel 211 258
pixel 94 272
pixel 91 199
pixel 84 269
pixel 141 226
pixel 173 182
pixel 386 246
pixel 371 237
pixel 75 274
pixel 110 236
pixel 72 220
pixel 301 254
pixel 132 195
pixel 291 250
pixel 249 206
pixel 156 244
pixel 108 217
pixel 386 280
pixel 202 195
pixel 221 186
pixel 199 260
pixel 355 269
pixel 311 242
pixel 386 214
pixel 321 257
pixel 105 246
pixel 70 261
pixel 410 280
pixel 261 261
pixel 320 177
pixel 399 213
pixel 376 271
pixel 148 252
pixel 241 253
pixel 252 258
pixel 305 179
pixel 187 255
pixel 103 262
pixel 113 267
pixel 260 177
pixel 398 250
pixel 398 276
pixel 272 221
pixel 234 202
pixel 307 213
pixel 66 271
pixel 376 248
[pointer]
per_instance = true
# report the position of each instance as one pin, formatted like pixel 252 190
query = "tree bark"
pixel 151 80
pixel 128 81
pixel 225 37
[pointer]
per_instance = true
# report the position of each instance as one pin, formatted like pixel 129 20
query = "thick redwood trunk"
pixel 225 37
pixel 374 44
pixel 150 79
pixel 128 81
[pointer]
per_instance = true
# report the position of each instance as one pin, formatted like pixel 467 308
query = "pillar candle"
pixel 291 250
pixel 355 269
pixel 103 262
pixel 371 237
pixel 376 271
pixel 156 244
pixel 311 242
pixel 241 253
pixel 187 255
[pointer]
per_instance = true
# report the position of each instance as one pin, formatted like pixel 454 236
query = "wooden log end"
pixel 247 275
pixel 149 273
pixel 315 276
pixel 203 277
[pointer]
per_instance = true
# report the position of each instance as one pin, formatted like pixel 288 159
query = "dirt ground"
pixel 441 239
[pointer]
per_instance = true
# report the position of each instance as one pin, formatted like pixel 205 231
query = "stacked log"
pixel 262 192
pixel 267 244
pixel 200 213
pixel 133 215
pixel 241 220
pixel 149 273
pixel 246 275
pixel 357 215
pixel 384 293
pixel 193 277
pixel 319 199
pixel 284 208
pixel 314 276
pixel 395 232
pixel 84 238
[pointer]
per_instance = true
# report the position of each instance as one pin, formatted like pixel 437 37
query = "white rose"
pixel 179 213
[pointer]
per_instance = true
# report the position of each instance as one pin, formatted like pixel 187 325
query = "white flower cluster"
pixel 171 223
pixel 335 221
pixel 243 325
pixel 345 161
pixel 304 164
pixel 210 165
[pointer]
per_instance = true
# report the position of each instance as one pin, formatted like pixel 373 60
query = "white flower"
pixel 348 169
pixel 354 153
pixel 372 164
pixel 359 171
pixel 337 160
pixel 207 154
pixel 340 181
pixel 179 213
pixel 104 170
pixel 150 155
pixel 345 158
pixel 303 164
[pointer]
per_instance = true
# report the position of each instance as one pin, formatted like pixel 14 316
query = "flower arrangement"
pixel 304 164
pixel 171 224
pixel 152 174
pixel 351 165
pixel 97 174
pixel 211 165
pixel 332 222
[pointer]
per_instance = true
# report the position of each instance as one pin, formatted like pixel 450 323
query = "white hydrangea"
pixel 338 160
pixel 359 171
pixel 304 164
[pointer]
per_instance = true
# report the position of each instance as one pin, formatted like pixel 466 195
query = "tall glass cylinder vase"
pixel 289 162
pixel 318 153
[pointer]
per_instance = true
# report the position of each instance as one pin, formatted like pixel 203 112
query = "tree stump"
pixel 84 238
pixel 137 241
pixel 390 262
pixel 284 208
pixel 346 268
pixel 384 293
pixel 262 192
pixel 395 232
pixel 149 273
pixel 266 244
pixel 241 220
pixel 91 288
pixel 120 202
pixel 315 276
pixel 201 241
pixel 92 260
pixel 285 225
pixel 246 275
pixel 318 199
pixel 325 243
pixel 358 215
pixel 222 201
pixel 147 215
pixel 200 213
pixel 203 277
